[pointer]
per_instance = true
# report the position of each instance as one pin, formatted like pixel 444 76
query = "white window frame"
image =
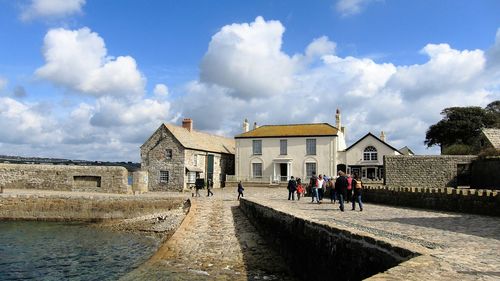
pixel 257 147
pixel 309 172
pixel 283 147
pixel 310 146
pixel 164 176
pixel 254 170
pixel 195 160
pixel 370 153
pixel 191 177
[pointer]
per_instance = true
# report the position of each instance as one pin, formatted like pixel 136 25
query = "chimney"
pixel 246 126
pixel 255 125
pixel 187 123
pixel 338 124
pixel 382 136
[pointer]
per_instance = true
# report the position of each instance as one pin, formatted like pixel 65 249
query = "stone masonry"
pixel 423 171
pixel 62 177
pixel 154 160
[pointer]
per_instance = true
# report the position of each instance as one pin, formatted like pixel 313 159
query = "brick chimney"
pixel 246 126
pixel 382 136
pixel 187 123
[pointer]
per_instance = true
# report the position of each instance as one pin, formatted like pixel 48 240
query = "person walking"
pixel 313 183
pixel 240 190
pixel 292 187
pixel 321 187
pixel 349 188
pixel 341 187
pixel 331 189
pixel 210 185
pixel 198 184
pixel 300 189
pixel 358 187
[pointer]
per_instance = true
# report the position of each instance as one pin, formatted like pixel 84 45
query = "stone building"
pixel 489 138
pixel 175 157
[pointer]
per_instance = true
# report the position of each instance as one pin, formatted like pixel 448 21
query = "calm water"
pixel 69 251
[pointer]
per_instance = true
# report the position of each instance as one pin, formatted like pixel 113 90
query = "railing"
pixel 234 178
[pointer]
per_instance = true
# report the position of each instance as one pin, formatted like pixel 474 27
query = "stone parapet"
pixel 473 201
pixel 62 177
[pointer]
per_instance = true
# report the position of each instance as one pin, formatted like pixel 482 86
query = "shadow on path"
pixel 261 261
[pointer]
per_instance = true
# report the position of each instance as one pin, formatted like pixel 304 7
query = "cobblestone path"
pixel 215 242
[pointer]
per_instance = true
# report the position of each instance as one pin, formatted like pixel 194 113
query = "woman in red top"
pixel 300 188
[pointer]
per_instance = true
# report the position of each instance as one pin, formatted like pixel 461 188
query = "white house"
pixel 277 152
pixel 366 156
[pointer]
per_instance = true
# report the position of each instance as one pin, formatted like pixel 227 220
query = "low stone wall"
pixel 63 177
pixel 325 252
pixel 474 201
pixel 81 208
pixel 423 171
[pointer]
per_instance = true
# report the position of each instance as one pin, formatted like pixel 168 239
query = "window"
pixel 370 153
pixel 311 146
pixel 164 176
pixel 191 177
pixel 257 147
pixel 257 170
pixel 168 153
pixel 195 160
pixel 283 147
pixel 310 168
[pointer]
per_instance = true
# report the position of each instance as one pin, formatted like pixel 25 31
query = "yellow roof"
pixel 295 130
pixel 202 141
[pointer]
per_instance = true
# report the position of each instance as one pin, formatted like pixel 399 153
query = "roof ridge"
pixel 198 131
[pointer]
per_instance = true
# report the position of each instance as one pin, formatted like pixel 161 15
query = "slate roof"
pixel 293 130
pixel 370 134
pixel 493 136
pixel 406 151
pixel 202 141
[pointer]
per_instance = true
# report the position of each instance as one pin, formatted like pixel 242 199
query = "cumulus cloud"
pixel 51 9
pixel 78 61
pixel 248 59
pixel 402 100
pixel 351 7
pixel 160 90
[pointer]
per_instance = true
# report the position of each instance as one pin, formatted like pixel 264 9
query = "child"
pixel 300 188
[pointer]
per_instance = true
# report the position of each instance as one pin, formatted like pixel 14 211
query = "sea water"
pixel 69 251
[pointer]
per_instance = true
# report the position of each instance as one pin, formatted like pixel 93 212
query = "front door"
pixel 283 172
pixel 210 167
pixel 370 173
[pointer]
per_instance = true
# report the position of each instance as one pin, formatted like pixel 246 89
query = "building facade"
pixel 366 156
pixel 274 153
pixel 176 156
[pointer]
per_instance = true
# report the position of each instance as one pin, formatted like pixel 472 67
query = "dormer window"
pixel 370 154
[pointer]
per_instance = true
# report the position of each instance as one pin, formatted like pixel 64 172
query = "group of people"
pixel 343 188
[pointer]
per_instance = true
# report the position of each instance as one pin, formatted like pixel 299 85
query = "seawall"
pixel 316 251
pixel 65 178
pixel 472 201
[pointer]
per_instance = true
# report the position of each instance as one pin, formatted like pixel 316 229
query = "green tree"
pixel 462 125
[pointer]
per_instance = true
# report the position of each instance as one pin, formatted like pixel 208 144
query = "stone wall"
pixel 423 171
pixel 62 177
pixel 154 160
pixel 474 201
pixel 82 208
pixel 325 252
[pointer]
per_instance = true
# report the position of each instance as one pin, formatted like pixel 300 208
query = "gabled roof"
pixel 493 136
pixel 406 151
pixel 293 130
pixel 370 134
pixel 202 141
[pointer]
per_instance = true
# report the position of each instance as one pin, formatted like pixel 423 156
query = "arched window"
pixel 370 153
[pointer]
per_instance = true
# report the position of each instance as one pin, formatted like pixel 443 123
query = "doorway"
pixel 283 171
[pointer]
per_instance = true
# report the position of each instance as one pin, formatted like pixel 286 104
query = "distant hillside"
pixel 130 166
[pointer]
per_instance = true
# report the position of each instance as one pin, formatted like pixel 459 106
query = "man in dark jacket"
pixel 292 187
pixel 341 188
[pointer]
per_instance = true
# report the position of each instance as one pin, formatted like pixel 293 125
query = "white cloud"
pixel 78 61
pixel 351 7
pixel 320 46
pixel 160 90
pixel 247 58
pixel 51 9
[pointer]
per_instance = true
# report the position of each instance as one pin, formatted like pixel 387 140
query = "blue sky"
pixel 92 79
